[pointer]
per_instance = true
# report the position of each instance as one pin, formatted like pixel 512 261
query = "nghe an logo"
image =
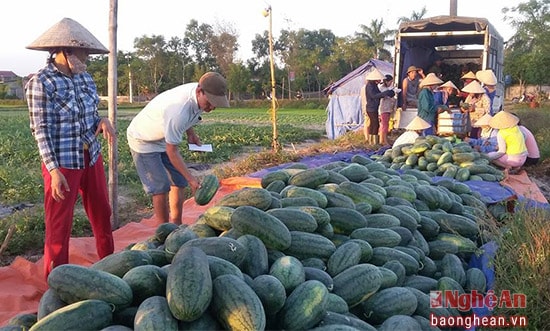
pixel 466 301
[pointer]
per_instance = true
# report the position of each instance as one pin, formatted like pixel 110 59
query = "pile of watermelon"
pixel 344 246
pixel 442 156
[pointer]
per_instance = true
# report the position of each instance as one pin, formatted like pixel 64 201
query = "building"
pixel 11 85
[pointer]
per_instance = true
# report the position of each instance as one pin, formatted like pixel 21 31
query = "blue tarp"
pixel 344 106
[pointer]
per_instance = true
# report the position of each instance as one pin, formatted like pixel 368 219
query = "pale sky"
pixel 24 20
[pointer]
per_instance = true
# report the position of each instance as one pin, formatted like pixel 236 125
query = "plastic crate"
pixel 452 123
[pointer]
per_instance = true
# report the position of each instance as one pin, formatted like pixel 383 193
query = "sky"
pixel 25 20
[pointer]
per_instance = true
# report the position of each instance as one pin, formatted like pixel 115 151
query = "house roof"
pixel 7 74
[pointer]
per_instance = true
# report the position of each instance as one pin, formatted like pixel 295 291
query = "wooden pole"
pixel 112 95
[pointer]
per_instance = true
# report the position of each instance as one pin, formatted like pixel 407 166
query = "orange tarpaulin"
pixel 22 283
pixel 523 186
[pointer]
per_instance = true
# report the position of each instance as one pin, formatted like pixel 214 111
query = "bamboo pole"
pixel 112 96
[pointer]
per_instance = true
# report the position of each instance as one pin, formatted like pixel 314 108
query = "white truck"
pixel 460 41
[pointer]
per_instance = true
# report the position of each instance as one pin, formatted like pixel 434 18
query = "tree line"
pixel 313 58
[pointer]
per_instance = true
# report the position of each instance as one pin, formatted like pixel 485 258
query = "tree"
pixel 415 16
pixel 260 45
pixel 153 51
pixel 97 67
pixel 238 79
pixel 352 52
pixel 178 57
pixel 377 37
pixel 529 48
pixel 199 39
pixel 224 46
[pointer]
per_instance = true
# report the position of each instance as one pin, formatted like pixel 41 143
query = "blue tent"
pixel 344 106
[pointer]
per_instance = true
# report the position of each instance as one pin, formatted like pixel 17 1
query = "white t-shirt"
pixel 407 137
pixel 164 120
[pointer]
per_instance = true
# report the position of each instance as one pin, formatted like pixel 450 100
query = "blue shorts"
pixel 157 173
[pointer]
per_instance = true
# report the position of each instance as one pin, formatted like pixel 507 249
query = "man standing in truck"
pixel 411 87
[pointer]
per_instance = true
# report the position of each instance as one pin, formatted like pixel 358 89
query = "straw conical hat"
pixel 449 84
pixel 487 77
pixel 374 74
pixel 68 33
pixel 431 79
pixel 503 120
pixel 473 87
pixel 469 75
pixel 418 124
pixel 483 121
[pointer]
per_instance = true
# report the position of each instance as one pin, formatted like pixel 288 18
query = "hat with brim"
pixel 418 124
pixel 469 75
pixel 483 121
pixel 68 33
pixel 412 68
pixel 449 84
pixel 215 87
pixel 473 87
pixel 430 79
pixel 503 120
pixel 487 77
pixel 374 74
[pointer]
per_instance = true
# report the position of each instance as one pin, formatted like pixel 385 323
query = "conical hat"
pixel 68 33
pixel 483 121
pixel 449 84
pixel 430 79
pixel 418 124
pixel 473 87
pixel 374 74
pixel 503 120
pixel 487 77
pixel 469 75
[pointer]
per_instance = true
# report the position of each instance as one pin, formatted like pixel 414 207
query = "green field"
pixel 230 131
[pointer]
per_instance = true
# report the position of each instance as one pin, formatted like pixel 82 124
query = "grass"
pixel 522 265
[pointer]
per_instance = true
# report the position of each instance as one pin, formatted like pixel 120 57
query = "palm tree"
pixel 415 16
pixel 377 37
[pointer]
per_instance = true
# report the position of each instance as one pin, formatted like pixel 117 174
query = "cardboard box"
pixel 453 123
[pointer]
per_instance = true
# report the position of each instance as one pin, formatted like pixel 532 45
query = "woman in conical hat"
pixel 63 100
pixel 512 150
pixel 489 80
pixel 371 126
pixel 487 141
pixel 476 105
pixel 466 78
pixel 443 92
pixel 427 108
pixel 414 130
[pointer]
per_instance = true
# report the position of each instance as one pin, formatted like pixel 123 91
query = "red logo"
pixel 465 301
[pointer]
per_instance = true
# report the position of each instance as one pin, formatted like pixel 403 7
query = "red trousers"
pixel 90 182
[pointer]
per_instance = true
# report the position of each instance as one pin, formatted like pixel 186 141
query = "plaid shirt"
pixel 63 117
